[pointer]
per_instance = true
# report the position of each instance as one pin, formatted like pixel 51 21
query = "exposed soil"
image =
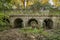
pixel 14 34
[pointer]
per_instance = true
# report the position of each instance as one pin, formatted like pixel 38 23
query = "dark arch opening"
pixel 18 23
pixel 48 24
pixel 32 22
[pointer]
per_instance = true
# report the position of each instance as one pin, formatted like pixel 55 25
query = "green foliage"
pixel 31 30
pixel 4 24
pixel 55 35
pixel 36 6
pixel 52 35
pixel 5 4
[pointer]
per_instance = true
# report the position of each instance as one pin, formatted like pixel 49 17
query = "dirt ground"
pixel 14 34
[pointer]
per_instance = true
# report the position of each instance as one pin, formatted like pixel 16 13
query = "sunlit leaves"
pixel 44 1
pixel 56 3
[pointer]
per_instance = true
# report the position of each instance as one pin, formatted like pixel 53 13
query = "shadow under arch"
pixel 18 23
pixel 48 23
pixel 32 22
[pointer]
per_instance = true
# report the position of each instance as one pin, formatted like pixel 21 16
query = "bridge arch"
pixel 48 23
pixel 18 23
pixel 32 22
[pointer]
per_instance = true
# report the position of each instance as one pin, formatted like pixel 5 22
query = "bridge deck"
pixel 33 15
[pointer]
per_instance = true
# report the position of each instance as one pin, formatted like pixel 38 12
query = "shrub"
pixel 4 24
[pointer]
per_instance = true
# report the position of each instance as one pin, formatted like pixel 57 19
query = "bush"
pixel 55 35
pixel 4 24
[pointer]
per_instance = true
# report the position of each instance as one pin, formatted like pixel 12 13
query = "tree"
pixel 56 3
pixel 5 4
pixel 44 1
pixel 36 6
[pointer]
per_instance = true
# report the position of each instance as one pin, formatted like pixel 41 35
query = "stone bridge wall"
pixel 40 19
